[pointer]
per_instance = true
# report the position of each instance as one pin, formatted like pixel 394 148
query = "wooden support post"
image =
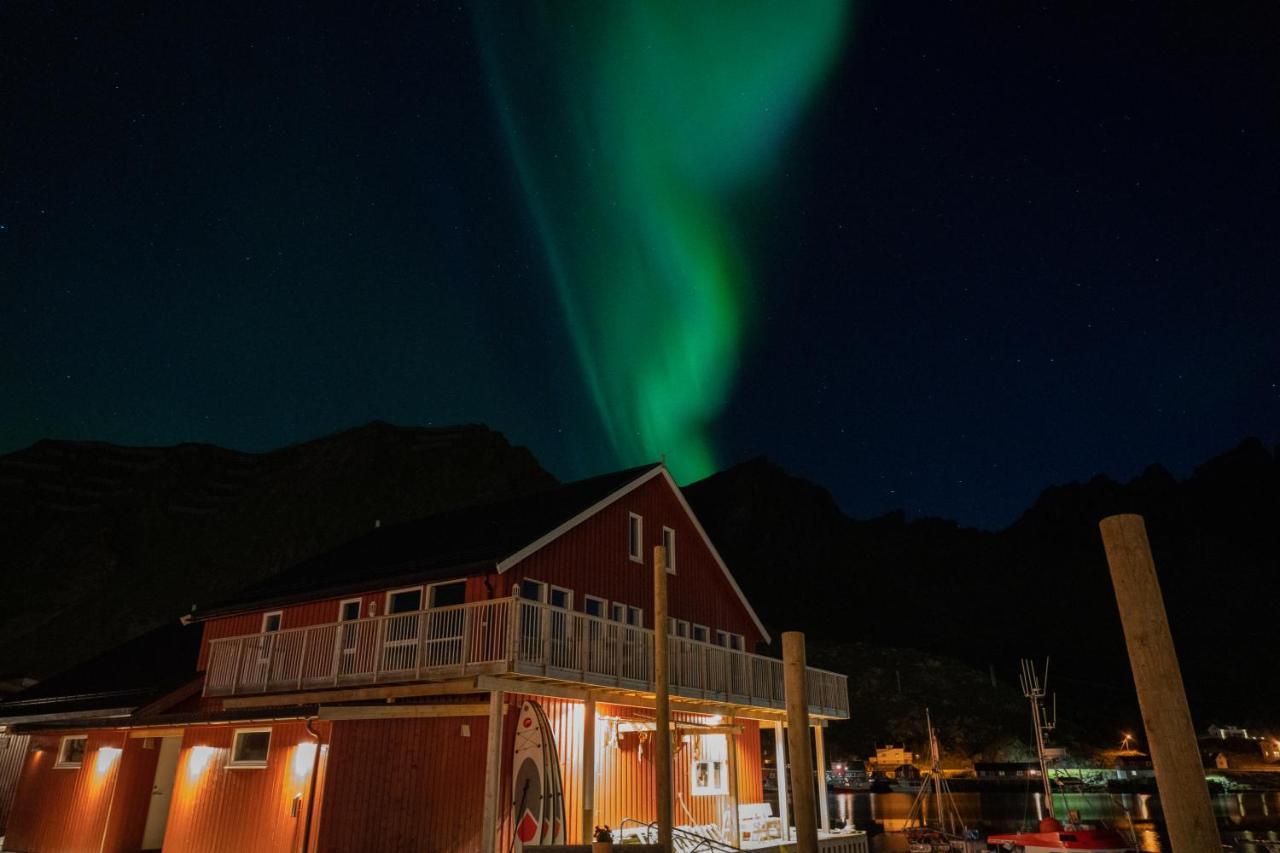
pixel 734 829
pixel 588 769
pixel 793 674
pixel 820 758
pixel 1171 737
pixel 662 700
pixel 780 761
pixel 492 775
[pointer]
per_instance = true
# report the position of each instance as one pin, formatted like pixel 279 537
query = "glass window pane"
pixel 449 594
pixel 271 622
pixel 350 611
pixel 560 597
pixel 251 747
pixel 406 601
pixel 533 590
pixel 634 616
pixel 593 606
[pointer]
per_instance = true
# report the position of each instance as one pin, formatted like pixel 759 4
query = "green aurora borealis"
pixel 636 131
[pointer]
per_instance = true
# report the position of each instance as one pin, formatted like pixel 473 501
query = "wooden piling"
pixel 662 700
pixel 1171 737
pixel 793 674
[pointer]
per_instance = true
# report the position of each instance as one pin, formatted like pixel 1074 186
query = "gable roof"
pixel 469 540
pixel 447 544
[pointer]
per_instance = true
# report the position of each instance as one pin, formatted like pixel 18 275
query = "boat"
pixel 1052 835
pixel 944 831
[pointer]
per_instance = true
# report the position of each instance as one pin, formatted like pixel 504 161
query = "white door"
pixel 161 793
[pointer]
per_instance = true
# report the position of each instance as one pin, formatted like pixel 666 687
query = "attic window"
pixel 635 537
pixel 71 751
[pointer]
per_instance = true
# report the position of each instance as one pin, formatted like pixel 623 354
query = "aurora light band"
pixel 636 129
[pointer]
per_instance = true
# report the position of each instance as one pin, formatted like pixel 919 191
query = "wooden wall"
pixel 13 753
pixel 592 559
pixel 404 785
pixel 100 806
pixel 250 810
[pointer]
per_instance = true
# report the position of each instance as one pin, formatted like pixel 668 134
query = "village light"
pixel 198 760
pixel 107 756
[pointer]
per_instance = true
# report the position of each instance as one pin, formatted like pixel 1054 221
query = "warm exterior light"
pixel 303 757
pixel 198 760
pixel 715 720
pixel 106 757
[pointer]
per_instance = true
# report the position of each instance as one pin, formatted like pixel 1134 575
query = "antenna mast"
pixel 1034 690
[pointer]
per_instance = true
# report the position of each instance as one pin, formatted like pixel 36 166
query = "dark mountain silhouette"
pixel 1040 587
pixel 103 542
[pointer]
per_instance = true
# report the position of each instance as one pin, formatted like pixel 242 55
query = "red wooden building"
pixel 366 699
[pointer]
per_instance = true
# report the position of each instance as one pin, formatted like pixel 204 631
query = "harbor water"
pixel 1242 818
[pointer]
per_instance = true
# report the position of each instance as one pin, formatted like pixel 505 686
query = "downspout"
pixel 311 793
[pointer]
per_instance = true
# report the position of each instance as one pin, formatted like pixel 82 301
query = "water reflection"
pixel 1247 820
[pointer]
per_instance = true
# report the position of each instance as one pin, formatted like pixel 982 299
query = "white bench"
pixel 756 822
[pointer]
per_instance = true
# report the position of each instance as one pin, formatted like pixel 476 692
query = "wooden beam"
pixel 678 728
pixel 533 688
pixel 358 694
pixel 820 758
pixel 171 731
pixel 733 788
pixel 492 774
pixel 683 706
pixel 588 770
pixel 793 678
pixel 385 712
pixel 662 700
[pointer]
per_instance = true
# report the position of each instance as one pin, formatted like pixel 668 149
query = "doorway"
pixel 161 793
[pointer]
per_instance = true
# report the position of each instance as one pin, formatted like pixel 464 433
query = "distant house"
pixel 1133 765
pixel 1006 769
pixel 889 758
pixel 1226 732
pixel 1214 760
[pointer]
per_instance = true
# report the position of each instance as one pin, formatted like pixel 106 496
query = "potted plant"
pixel 602 840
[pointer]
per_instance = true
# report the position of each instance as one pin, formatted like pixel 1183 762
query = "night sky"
pixel 933 256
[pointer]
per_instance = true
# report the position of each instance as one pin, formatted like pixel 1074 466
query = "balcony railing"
pixel 506 635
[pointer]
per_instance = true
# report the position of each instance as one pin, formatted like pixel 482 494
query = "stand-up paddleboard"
pixel 528 788
pixel 553 824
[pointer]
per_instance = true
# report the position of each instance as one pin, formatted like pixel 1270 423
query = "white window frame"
pixel 546 589
pixel 618 613
pixel 674 626
pixel 267 642
pixel 279 625
pixel 669 549
pixel 636 555
pixel 62 763
pixel 638 612
pixel 604 606
pixel 568 595
pixel 237 764
pixel 722 638
pixel 342 606
pixel 429 592
pixel 422 599
pixel 706 633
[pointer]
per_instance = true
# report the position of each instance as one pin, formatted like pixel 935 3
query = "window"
pixel 71 751
pixel 626 614
pixel 561 598
pixel 678 627
pixel 532 590
pixel 271 621
pixel 593 606
pixel 404 600
pixel 669 545
pixel 709 772
pixel 249 748
pixel 635 537
pixel 447 594
pixel 349 610
pixel 701 633
pixel 729 641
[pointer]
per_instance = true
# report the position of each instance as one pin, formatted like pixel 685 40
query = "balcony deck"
pixel 507 635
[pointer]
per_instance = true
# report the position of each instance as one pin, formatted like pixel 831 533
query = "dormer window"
pixel 635 537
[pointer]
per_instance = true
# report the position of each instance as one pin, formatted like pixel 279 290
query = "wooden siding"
pixel 13 753
pixel 250 810
pixel 403 785
pixel 68 809
pixel 592 559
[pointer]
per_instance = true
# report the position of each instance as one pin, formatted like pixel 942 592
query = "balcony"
pixel 503 636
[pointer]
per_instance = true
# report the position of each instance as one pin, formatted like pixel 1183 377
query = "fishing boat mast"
pixel 1034 690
